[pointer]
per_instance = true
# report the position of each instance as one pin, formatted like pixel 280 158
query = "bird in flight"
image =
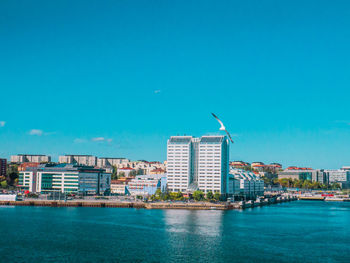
pixel 222 128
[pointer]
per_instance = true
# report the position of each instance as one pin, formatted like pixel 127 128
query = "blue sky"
pixel 117 78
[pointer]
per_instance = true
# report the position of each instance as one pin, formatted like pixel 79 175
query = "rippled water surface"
pixel 299 231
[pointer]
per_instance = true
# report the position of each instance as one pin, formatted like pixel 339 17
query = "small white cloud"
pixel 79 140
pixel 157 91
pixel 102 139
pixel 36 132
pixel 98 139
pixel 2 123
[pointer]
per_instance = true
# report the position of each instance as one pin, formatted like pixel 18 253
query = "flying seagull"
pixel 222 128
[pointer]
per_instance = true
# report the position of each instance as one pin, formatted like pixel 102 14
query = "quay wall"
pixel 156 205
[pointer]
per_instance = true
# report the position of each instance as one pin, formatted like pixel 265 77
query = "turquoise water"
pixel 299 231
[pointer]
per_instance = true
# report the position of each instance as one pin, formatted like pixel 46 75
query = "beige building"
pixel 30 158
pixel 87 160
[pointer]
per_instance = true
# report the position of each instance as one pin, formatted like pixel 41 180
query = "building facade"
pixel 3 166
pixel 29 158
pixel 198 164
pixel 180 163
pixel 249 184
pixel 108 162
pixel 213 164
pixel 87 160
pixel 339 176
pixel 65 178
pixel 147 185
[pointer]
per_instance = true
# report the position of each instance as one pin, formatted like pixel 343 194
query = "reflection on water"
pixel 206 223
pixel 291 232
pixel 193 234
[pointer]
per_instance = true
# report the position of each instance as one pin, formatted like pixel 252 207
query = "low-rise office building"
pixel 314 175
pixel 246 184
pixel 296 173
pixel 147 185
pixel 120 186
pixel 341 177
pixel 30 158
pixel 65 178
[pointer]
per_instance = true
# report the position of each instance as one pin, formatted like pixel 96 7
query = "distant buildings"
pixel 198 164
pixel 326 177
pixel 65 178
pixel 29 158
pixel 120 186
pixel 3 166
pixel 297 173
pixel 87 160
pixel 157 171
pixel 239 164
pixel 125 172
pixel 147 185
pixel 341 177
pixel 108 161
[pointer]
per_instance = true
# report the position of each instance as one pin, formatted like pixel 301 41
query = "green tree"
pixel 217 196
pixel 114 175
pixel 132 173
pixel 176 196
pixel 210 195
pixel 12 173
pixel 198 195
pixel 3 184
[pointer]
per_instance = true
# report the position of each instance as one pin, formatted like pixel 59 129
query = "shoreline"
pixel 155 205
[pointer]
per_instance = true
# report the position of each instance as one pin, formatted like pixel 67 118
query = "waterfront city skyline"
pixel 118 79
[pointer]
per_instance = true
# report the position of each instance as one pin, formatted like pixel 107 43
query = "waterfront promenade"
pixel 150 205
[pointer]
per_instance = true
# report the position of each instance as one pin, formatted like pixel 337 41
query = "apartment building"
pixel 108 161
pixel 87 160
pixel 30 158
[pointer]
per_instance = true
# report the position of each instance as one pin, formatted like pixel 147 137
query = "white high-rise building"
pixel 198 163
pixel 213 164
pixel 179 166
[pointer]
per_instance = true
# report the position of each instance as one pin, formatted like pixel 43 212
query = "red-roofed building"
pixel 23 166
pixel 157 171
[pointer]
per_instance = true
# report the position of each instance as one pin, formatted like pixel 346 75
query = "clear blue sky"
pixel 117 78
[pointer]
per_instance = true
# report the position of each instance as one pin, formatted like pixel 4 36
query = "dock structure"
pixel 313 198
pixel 152 205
